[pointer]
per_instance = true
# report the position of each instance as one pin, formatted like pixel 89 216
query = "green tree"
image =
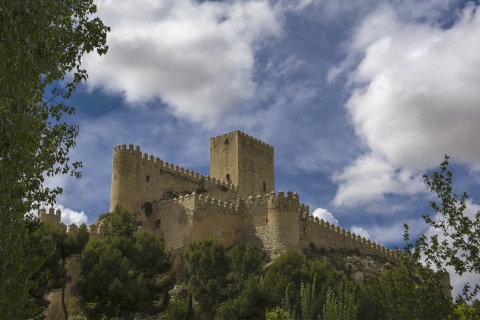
pixel 208 269
pixel 66 245
pixel 399 294
pixel 278 313
pixel 298 285
pixel 41 47
pixel 287 270
pixel 341 306
pixel 459 246
pixel 243 293
pixel 120 271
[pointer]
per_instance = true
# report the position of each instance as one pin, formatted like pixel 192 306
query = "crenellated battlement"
pixel 53 217
pixel 195 200
pixel 280 201
pixel 242 134
pixel 345 238
pixel 174 169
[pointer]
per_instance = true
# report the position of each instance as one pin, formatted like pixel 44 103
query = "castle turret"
pixel 283 221
pixel 52 217
pixel 244 161
pixel 125 177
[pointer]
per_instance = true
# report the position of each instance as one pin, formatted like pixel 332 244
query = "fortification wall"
pixel 326 235
pixel 255 221
pixel 217 218
pixel 172 221
pixel 139 178
pixel 192 217
pixel 53 217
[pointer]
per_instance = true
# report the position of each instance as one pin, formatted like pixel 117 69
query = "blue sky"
pixel 359 99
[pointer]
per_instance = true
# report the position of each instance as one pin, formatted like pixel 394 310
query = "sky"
pixel 358 98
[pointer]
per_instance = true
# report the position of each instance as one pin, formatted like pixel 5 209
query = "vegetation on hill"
pixel 124 273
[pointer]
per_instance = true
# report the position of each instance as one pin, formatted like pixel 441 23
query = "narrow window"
pixel 264 187
pixel 228 176
pixel 147 178
pixel 158 223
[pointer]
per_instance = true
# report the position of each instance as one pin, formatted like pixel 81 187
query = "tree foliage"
pixel 121 270
pixel 41 46
pixel 399 294
pixel 459 243
pixel 341 305
pixel 208 269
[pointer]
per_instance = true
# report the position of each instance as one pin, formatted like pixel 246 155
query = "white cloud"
pixel 198 58
pixel 415 98
pixel 325 215
pixel 369 178
pixel 70 216
pixel 359 231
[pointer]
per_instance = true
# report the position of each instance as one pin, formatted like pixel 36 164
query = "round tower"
pixel 283 221
pixel 124 189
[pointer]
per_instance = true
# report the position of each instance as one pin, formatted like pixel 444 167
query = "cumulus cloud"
pixel 325 215
pixel 360 231
pixel 415 98
pixel 70 216
pixel 198 58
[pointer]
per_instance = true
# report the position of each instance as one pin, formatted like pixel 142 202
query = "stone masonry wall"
pixel 216 218
pixel 255 221
pixel 52 217
pixel 138 178
pixel 190 218
pixel 326 235
pixel 248 162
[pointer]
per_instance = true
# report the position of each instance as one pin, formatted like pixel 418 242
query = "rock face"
pixel 236 203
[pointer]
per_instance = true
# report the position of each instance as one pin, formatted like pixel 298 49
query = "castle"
pixel 236 203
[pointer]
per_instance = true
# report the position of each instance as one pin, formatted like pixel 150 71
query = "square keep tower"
pixel 244 161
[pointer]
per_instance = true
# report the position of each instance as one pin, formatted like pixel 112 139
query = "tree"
pixel 400 294
pixel 459 245
pixel 66 245
pixel 120 270
pixel 208 269
pixel 41 47
pixel 341 306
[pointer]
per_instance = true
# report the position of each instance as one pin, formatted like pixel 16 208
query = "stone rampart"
pixel 53 217
pixel 189 218
pixel 323 234
pixel 139 178
pixel 255 221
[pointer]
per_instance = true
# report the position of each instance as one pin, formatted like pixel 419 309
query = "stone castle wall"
pixel 323 234
pixel 53 217
pixel 138 178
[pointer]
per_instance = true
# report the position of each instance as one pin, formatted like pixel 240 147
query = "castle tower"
pixel 244 161
pixel 125 177
pixel 52 217
pixel 283 221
